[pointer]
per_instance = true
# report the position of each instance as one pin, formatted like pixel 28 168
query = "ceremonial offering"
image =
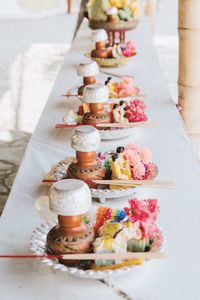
pixel 112 55
pixel 123 89
pixel 122 239
pixel 70 199
pixel 88 71
pixel 114 120
pixel 115 16
pixel 125 163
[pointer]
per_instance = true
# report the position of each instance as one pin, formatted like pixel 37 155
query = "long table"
pixel 177 277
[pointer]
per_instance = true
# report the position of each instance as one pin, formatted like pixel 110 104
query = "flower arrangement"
pixel 123 88
pixel 133 228
pixel 135 111
pixel 130 162
pixel 123 112
pixel 145 212
pixel 140 161
pixel 129 49
pixel 126 9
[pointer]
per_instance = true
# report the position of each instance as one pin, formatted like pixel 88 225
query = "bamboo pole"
pixel 150 10
pixel 189 68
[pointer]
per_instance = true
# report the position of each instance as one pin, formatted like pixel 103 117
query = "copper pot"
pixel 89 80
pixel 86 168
pixel 71 235
pixel 100 51
pixel 96 115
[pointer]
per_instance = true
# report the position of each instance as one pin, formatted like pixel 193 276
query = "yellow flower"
pixel 116 3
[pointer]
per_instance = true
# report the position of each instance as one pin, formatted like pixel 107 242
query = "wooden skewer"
pixel 62 125
pixel 70 95
pixel 109 125
pixel 94 256
pixel 49 180
pixel 117 99
pixel 149 183
pixel 119 125
pixel 116 75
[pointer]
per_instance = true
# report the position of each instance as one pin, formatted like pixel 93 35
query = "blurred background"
pixel 35 37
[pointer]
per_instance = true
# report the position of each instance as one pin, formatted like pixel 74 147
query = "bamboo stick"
pixel 116 75
pixel 133 183
pixel 111 125
pixel 124 125
pixel 94 256
pixel 70 95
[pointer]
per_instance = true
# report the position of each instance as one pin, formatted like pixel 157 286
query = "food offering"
pixel 112 119
pixel 110 56
pixel 133 228
pixel 111 172
pixel 115 16
pixel 123 89
pixel 116 241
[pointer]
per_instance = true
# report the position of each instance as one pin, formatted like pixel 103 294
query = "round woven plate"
pixel 109 62
pixel 110 26
pixel 38 246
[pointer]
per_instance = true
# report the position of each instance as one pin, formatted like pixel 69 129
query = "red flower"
pixel 145 212
pixel 135 111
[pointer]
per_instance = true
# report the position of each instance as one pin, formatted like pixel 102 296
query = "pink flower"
pixel 145 212
pixel 135 111
pixel 145 154
pixel 133 147
pixel 138 170
pixel 129 49
pixel 140 163
pixel 126 87
pixel 151 171
pixel 101 156
pixel 132 156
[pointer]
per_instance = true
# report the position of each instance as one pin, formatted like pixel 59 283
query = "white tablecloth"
pixel 177 277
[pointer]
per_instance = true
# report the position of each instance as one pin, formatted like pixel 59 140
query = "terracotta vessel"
pixel 96 115
pixel 100 38
pixel 86 168
pixel 97 96
pixel 86 140
pixel 70 199
pixel 100 50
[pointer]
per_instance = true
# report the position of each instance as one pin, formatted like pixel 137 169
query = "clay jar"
pixel 100 38
pixel 97 95
pixel 85 140
pixel 88 71
pixel 100 50
pixel 70 200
